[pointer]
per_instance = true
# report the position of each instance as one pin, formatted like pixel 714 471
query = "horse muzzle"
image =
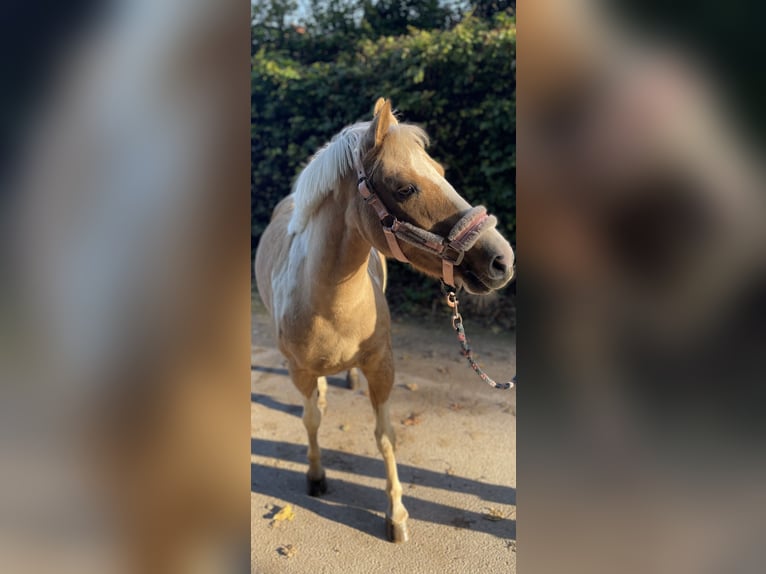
pixel 488 265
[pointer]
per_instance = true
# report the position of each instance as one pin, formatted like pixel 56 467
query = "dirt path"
pixel 456 453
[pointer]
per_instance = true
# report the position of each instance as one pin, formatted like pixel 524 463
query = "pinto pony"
pixel 370 193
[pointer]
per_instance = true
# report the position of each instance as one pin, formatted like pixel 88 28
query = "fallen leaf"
pixel 413 419
pixel 493 514
pixel 285 513
pixel 288 550
pixel 412 386
pixel 345 427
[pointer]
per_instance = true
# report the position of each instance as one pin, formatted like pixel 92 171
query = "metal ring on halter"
pixel 389 222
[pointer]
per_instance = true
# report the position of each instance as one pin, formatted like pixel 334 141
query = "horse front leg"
pixel 313 390
pixel 380 379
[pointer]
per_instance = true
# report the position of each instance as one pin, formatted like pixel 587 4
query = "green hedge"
pixel 459 84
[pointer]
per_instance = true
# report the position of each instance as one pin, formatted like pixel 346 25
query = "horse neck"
pixel 338 253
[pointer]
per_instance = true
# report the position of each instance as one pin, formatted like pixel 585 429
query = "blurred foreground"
pixel 125 297
pixel 641 326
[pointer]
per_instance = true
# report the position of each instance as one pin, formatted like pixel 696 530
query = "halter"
pixel 451 249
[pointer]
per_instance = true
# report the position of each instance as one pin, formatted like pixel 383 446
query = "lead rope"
pixel 465 349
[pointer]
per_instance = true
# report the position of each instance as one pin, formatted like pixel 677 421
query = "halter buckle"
pixel 457 259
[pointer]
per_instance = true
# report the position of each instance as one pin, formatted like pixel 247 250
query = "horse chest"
pixel 320 345
pixel 324 327
pixel 327 344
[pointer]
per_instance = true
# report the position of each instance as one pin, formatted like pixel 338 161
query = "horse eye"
pixel 407 191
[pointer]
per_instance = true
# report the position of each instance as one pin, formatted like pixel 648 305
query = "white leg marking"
pixel 322 395
pixel 397 514
pixel 312 417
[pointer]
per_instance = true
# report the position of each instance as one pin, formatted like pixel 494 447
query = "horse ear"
pixel 383 120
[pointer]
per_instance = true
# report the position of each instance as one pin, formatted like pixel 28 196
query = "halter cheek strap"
pixel 389 229
pixel 451 249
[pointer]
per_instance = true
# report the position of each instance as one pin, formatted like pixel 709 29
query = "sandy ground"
pixel 456 456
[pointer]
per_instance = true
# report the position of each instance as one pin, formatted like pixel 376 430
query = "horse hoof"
pixel 316 486
pixel 352 379
pixel 397 531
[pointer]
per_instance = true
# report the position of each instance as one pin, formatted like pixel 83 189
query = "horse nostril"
pixel 499 265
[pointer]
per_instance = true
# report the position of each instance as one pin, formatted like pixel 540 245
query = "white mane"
pixel 322 174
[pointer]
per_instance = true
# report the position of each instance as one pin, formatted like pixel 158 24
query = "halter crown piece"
pixel 451 249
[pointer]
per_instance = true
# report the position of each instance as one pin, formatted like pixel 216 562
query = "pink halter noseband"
pixel 451 249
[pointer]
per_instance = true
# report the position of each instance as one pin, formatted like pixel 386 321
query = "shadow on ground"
pixel 361 507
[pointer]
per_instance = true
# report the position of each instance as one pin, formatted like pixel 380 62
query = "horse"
pixel 371 193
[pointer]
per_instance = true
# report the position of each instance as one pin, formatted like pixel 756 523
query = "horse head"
pixel 441 234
